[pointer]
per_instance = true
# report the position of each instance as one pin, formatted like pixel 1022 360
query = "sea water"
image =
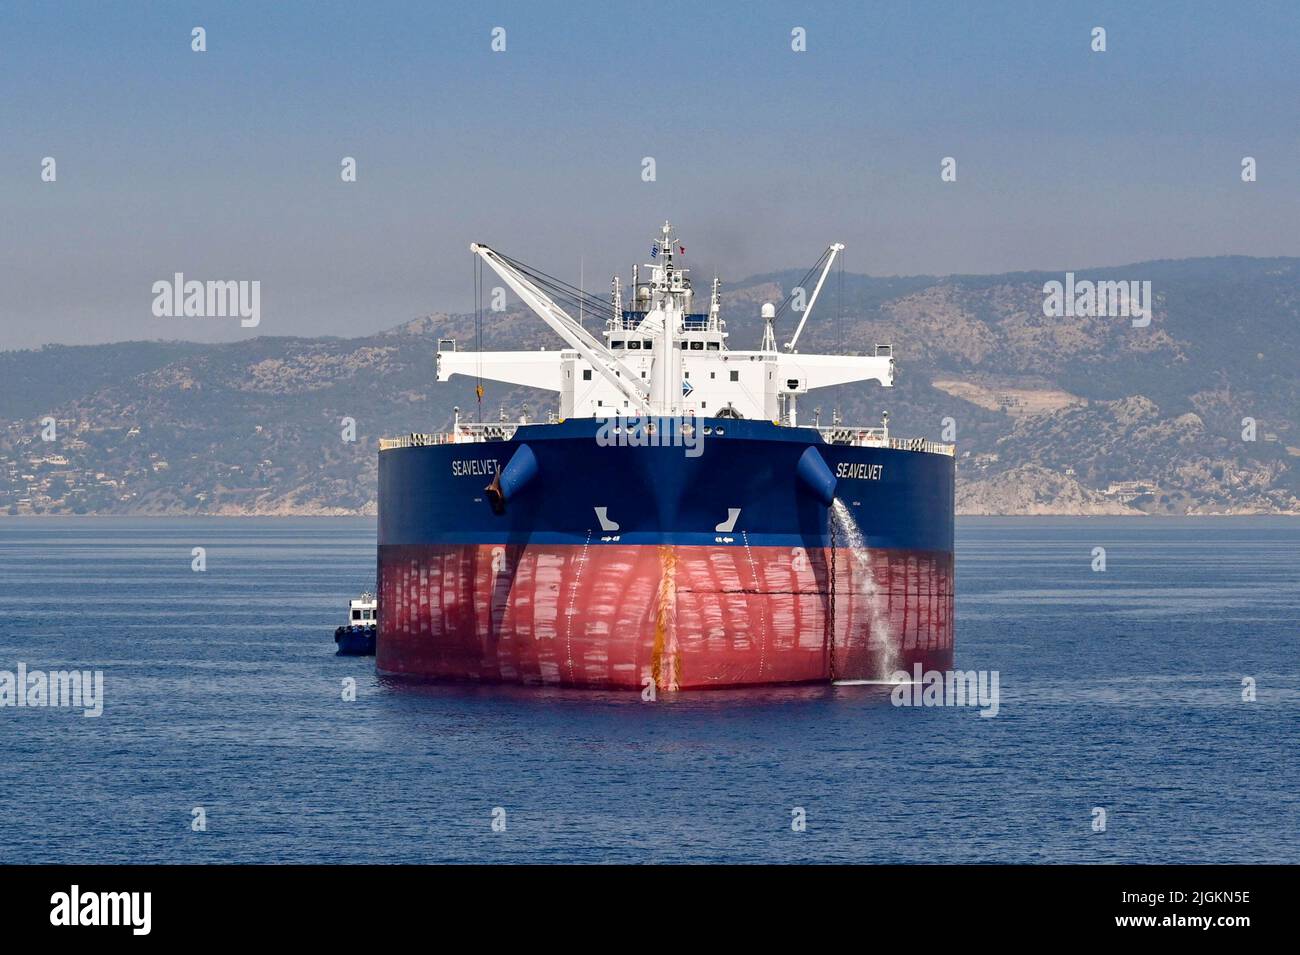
pixel 1121 691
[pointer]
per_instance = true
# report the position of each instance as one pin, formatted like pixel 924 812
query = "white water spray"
pixel 863 584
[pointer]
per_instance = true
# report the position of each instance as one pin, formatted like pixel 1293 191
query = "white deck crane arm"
pixel 531 369
pixel 574 335
pixel 836 249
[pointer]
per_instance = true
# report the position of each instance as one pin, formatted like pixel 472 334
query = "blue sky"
pixel 225 164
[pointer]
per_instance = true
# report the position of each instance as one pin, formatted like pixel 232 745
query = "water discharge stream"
pixel 863 589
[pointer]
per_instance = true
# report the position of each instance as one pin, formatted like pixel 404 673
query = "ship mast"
pixel 670 299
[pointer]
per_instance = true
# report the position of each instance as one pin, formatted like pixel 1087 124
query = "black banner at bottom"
pixel 337 904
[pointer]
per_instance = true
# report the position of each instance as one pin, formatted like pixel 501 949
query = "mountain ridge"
pixel 1194 413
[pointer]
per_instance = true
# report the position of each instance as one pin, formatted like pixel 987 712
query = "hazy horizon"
pixel 225 164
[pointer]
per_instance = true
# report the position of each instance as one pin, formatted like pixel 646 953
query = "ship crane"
pixel 577 337
pixel 834 250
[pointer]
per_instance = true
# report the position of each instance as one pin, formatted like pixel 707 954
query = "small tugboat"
pixel 356 638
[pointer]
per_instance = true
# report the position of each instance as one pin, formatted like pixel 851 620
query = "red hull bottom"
pixel 616 616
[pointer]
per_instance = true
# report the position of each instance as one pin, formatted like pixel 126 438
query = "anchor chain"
pixel 830 614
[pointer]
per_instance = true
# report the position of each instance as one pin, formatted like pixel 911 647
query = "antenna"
pixel 769 334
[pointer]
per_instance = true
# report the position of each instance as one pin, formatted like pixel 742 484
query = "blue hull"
pixel 658 496
pixel 355 641
pixel 631 566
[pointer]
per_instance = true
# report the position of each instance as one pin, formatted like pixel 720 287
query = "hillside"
pixel 1064 415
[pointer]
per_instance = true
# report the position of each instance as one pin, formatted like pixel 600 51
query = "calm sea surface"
pixel 1120 690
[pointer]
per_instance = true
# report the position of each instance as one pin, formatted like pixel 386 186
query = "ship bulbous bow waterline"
pixel 674 524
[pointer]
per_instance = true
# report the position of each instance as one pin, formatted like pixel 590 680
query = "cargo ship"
pixel 673 524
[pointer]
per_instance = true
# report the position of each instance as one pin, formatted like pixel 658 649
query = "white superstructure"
pixel 363 612
pixel 658 355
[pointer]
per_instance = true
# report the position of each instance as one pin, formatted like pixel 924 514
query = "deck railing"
pixel 478 432
pixel 469 432
pixel 880 438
